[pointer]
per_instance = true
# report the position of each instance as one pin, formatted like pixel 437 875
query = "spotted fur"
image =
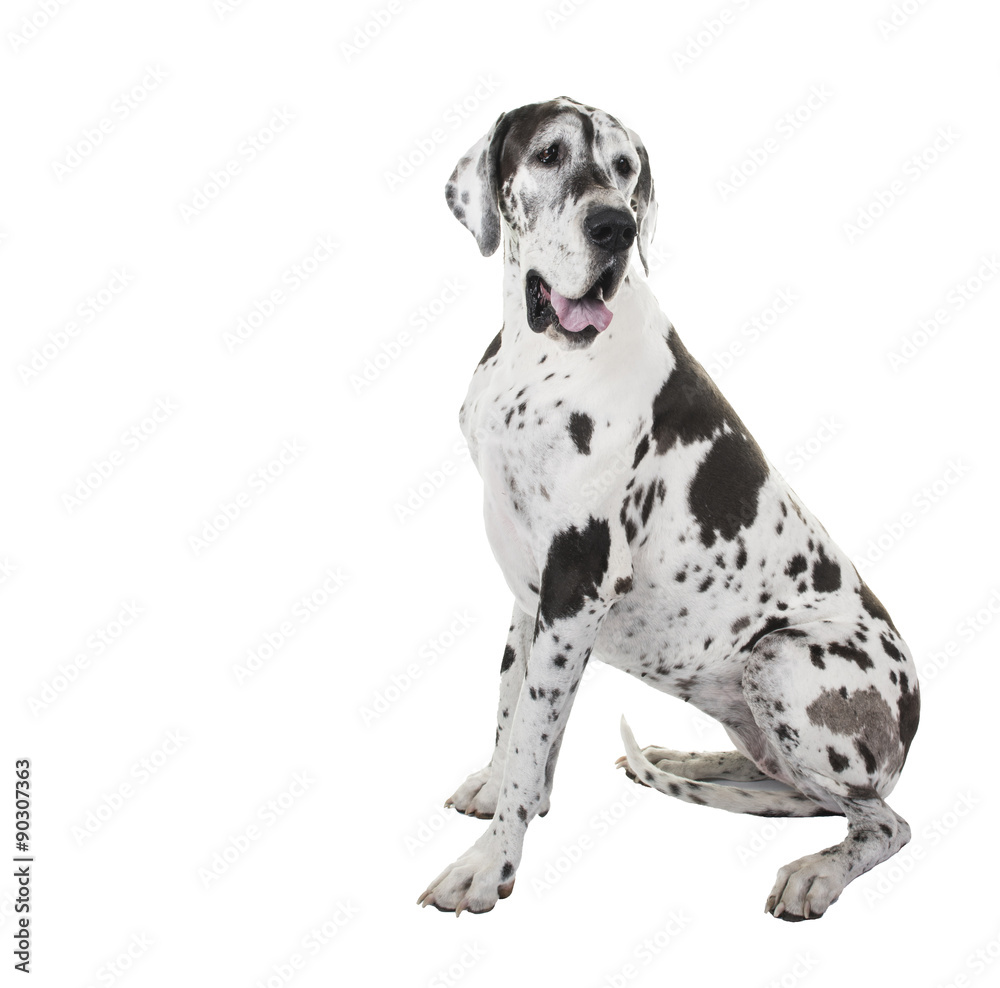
pixel 635 517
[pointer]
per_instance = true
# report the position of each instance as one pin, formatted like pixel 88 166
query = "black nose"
pixel 610 229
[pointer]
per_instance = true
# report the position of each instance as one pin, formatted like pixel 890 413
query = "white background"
pixel 618 885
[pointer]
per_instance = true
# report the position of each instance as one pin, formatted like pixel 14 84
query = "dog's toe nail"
pixel 778 909
pixel 464 904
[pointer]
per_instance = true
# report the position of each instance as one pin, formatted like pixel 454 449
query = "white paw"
pixel 478 796
pixel 806 888
pixel 474 883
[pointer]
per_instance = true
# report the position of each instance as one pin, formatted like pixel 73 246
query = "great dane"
pixel 635 518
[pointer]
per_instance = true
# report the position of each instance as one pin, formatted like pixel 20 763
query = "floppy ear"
pixel 471 191
pixel 643 202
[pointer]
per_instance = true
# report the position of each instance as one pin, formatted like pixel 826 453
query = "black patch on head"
pixel 493 349
pixel 576 564
pixel 838 762
pixel 581 428
pixel 797 564
pixel 873 605
pixel 508 659
pixel 640 451
pixel 825 574
pixel 852 653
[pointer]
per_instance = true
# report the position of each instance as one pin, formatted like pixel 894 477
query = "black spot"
pixel 647 505
pixel 630 530
pixel 507 871
pixel 675 790
pixel 741 556
pixel 575 566
pixel 838 762
pixel 797 564
pixel 508 659
pixel 493 349
pixel 873 605
pixel 784 732
pixel 681 576
pixel 816 656
pixel 640 451
pixel 623 584
pixel 852 653
pixel 887 830
pixel 581 428
pixel 705 584
pixel 723 494
pixel 522 814
pixel 892 677
pixel 825 574
pixel 559 660
pixel 739 624
pixel 771 624
pixel 890 649
pixel 866 753
pixel 909 716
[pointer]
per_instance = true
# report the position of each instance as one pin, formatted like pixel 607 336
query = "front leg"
pixel 477 796
pixel 586 570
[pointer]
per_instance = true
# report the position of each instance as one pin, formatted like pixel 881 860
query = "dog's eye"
pixel 624 166
pixel 549 155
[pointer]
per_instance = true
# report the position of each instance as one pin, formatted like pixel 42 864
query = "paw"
pixel 806 888
pixel 478 796
pixel 474 883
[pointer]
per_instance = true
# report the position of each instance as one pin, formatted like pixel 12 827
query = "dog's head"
pixel 573 189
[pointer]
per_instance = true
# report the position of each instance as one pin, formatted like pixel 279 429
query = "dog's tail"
pixel 760 802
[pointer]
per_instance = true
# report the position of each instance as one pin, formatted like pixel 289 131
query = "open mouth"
pixel 586 316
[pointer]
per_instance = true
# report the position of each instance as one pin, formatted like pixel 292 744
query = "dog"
pixel 634 516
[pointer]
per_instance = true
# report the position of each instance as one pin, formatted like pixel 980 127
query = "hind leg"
pixel 730 765
pixel 806 887
pixel 838 716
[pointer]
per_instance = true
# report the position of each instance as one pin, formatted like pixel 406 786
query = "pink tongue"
pixel 577 314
